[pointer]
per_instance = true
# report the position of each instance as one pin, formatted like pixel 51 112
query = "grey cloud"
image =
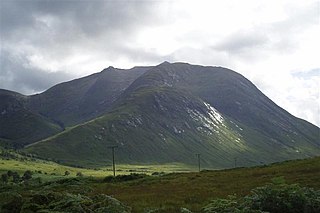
pixel 260 40
pixel 56 30
pixel 307 74
pixel 68 24
pixel 241 41
pixel 16 75
pixel 298 20
pixel 87 17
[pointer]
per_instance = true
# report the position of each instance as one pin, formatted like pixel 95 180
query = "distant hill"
pixel 168 113
pixel 63 105
pixel 19 125
pixel 82 99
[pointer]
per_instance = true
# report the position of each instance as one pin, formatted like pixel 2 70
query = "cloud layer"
pixel 273 43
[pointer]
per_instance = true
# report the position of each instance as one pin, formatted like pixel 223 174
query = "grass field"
pixel 194 190
pixel 170 191
pixel 49 170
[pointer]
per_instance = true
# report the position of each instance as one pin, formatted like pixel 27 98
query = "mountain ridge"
pixel 169 112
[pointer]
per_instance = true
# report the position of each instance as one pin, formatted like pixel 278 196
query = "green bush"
pixel 79 174
pixel 10 202
pixel 123 178
pixel 15 177
pixel 222 205
pixel 48 201
pixel 4 178
pixel 27 175
pixel 276 197
pixel 9 173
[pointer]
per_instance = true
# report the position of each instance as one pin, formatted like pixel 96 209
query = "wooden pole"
pixel 113 159
pixel 198 155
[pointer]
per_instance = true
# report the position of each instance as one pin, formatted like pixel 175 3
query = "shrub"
pixel 10 202
pixel 122 178
pixel 15 177
pixel 158 173
pixel 66 173
pixel 109 179
pixel 4 178
pixel 79 174
pixel 275 197
pixel 9 173
pixel 27 175
pixel 279 198
pixel 48 201
pixel 229 204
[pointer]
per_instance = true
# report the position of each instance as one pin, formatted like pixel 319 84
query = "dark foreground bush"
pixel 273 198
pixel 60 202
pixel 284 198
pixel 10 202
pixel 122 178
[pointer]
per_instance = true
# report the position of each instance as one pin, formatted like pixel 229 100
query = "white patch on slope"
pixel 213 113
pixel 212 120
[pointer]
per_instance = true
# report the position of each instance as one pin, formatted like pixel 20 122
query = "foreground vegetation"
pixel 235 190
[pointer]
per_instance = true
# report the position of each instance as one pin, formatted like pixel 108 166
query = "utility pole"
pixel 198 155
pixel 113 162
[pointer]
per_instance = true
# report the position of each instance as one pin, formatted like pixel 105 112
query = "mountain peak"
pixel 110 68
pixel 165 63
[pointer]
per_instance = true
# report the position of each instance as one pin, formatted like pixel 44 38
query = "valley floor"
pixel 168 192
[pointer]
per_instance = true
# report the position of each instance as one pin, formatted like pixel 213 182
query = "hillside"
pixel 173 111
pixel 19 125
pixel 27 119
pixel 82 99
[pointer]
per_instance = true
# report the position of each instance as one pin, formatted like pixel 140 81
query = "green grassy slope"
pixel 148 128
pixel 26 119
pixel 19 125
pixel 79 100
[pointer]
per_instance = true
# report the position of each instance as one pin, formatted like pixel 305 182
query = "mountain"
pixel 18 124
pixel 27 119
pixel 82 99
pixel 168 113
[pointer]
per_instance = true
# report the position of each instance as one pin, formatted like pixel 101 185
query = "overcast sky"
pixel 275 44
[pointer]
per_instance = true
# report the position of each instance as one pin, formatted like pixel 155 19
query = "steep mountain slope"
pixel 173 111
pixel 19 125
pixel 236 97
pixel 82 99
pixel 27 119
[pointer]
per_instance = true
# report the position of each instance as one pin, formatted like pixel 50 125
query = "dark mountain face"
pixel 20 126
pixel 167 113
pixel 82 99
pixel 27 119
